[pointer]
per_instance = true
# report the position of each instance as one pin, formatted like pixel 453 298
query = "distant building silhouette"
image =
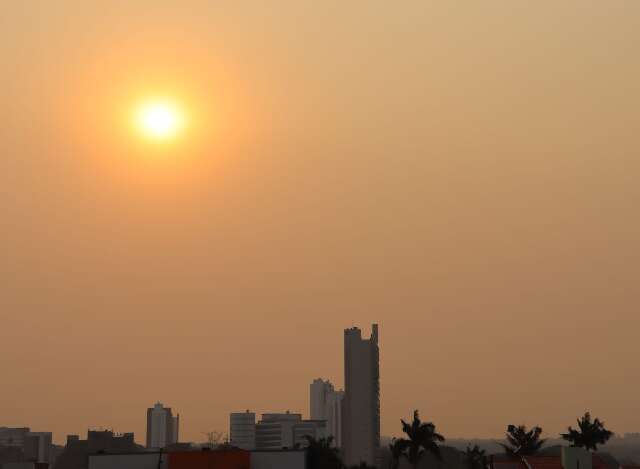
pixel 308 428
pixel 361 403
pixel 13 437
pixel 76 453
pixel 325 403
pixel 38 447
pixel 286 430
pixel 25 445
pixel 242 430
pixel 162 427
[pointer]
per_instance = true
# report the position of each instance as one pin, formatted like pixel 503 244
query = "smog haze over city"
pixel 200 197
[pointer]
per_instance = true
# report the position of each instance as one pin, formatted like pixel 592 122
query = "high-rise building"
pixel 325 403
pixel 242 430
pixel 175 429
pixel 162 426
pixel 361 403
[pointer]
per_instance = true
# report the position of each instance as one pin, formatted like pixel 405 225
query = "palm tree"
pixel 523 442
pixel 476 457
pixel 322 453
pixel 422 438
pixel 589 434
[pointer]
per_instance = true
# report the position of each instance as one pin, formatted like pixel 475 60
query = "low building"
pixel 77 452
pixel 13 437
pixel 38 447
pixel 200 459
pixel 219 459
pixel 293 459
pixel 275 431
pixel 148 460
pixel 315 429
pixel 287 431
pixel 26 445
pixel 242 430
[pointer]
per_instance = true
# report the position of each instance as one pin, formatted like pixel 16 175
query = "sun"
pixel 159 119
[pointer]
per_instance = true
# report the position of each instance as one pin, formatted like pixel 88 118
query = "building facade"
pixel 325 403
pixel 361 402
pixel 275 431
pixel 162 427
pixel 286 431
pixel 315 429
pixel 242 430
pixel 13 437
pixel 76 453
pixel 37 447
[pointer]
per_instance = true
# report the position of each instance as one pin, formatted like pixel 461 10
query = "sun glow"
pixel 159 119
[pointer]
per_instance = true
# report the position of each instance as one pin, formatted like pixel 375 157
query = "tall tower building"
pixel 325 403
pixel 162 426
pixel 361 403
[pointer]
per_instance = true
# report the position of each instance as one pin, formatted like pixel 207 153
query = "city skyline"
pixel 304 410
pixel 197 197
pixel 320 393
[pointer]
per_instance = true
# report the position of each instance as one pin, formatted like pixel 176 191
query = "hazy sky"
pixel 464 173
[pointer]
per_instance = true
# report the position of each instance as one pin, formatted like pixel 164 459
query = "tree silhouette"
pixel 322 453
pixel 397 448
pixel 476 457
pixel 421 438
pixel 523 442
pixel 589 434
pixel 215 439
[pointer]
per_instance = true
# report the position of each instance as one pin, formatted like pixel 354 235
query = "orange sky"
pixel 465 175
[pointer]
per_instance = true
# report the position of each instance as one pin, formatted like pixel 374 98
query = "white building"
pixel 162 426
pixel 361 403
pixel 242 430
pixel 286 431
pixel 275 431
pixel 325 403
